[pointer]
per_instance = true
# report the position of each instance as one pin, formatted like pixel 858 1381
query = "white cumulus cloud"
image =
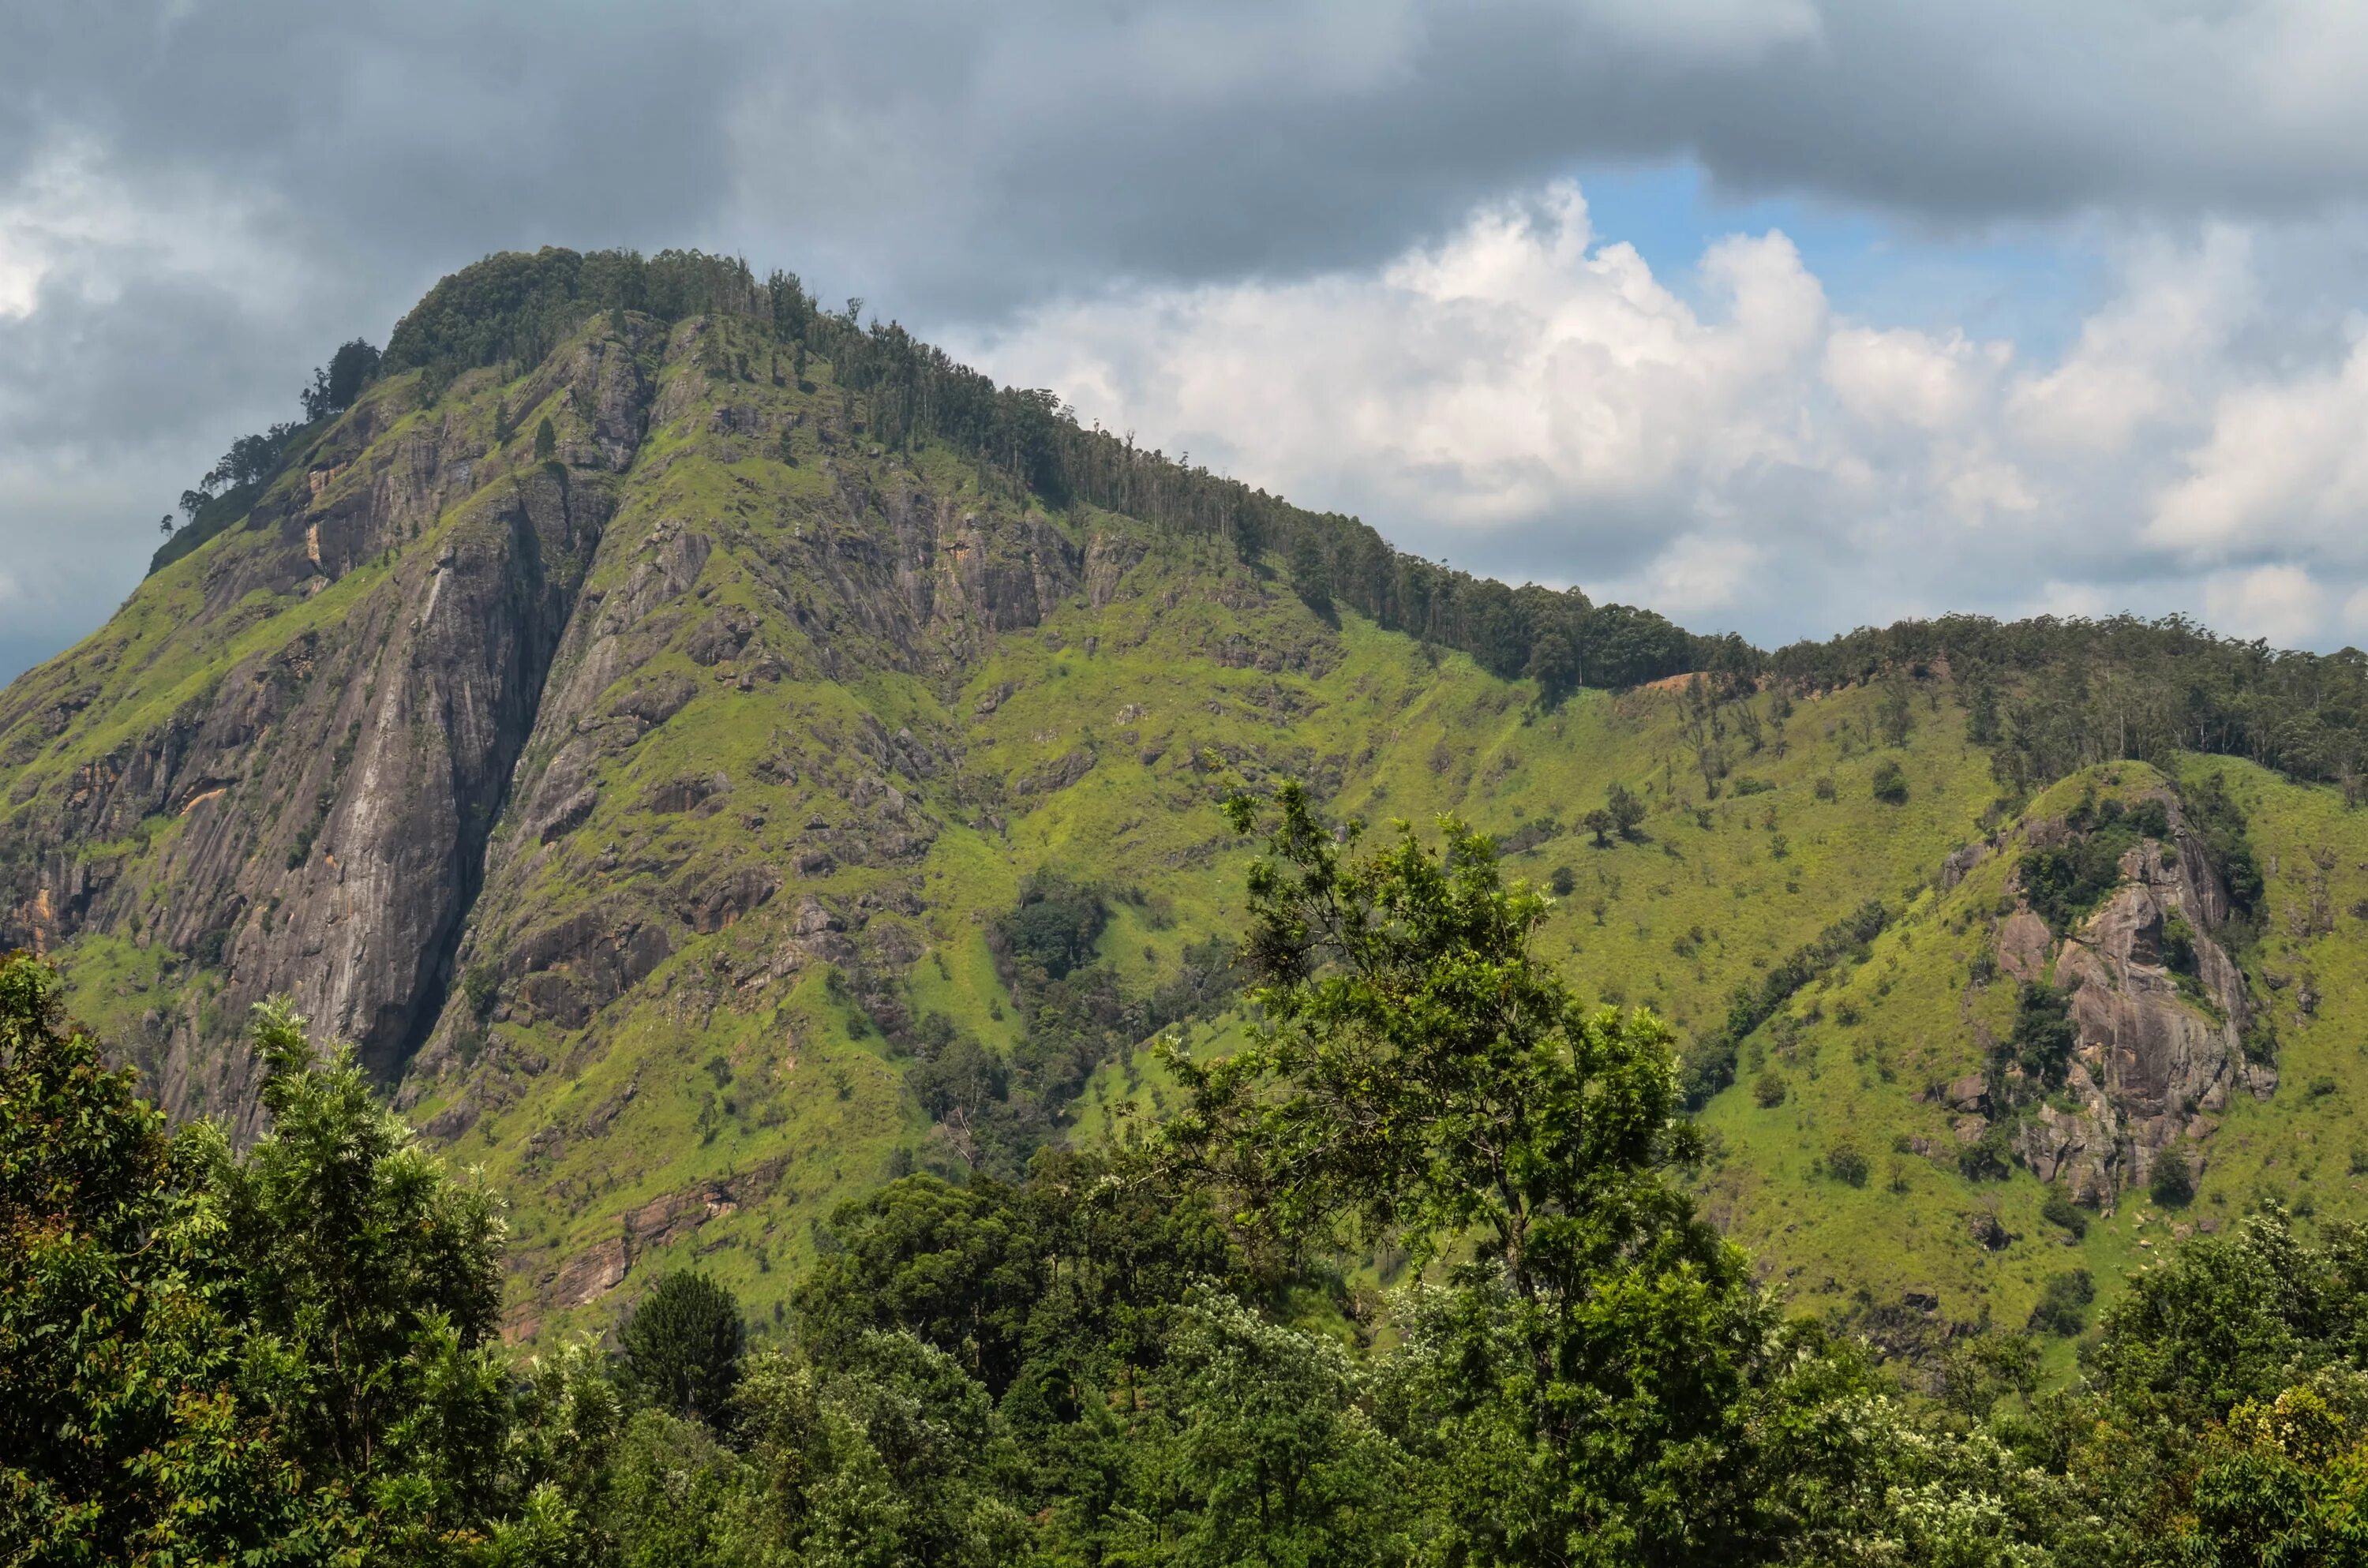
pixel 1527 394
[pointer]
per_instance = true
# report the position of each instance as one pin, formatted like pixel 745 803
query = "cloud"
pixel 2283 468
pixel 1900 375
pixel 1726 446
pixel 2137 359
pixel 2279 603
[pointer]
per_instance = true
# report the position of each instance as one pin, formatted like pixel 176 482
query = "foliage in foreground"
pixel 1160 1355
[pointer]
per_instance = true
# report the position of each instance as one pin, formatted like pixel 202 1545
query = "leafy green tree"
pixel 1266 1454
pixel 1602 825
pixel 1554 665
pixel 2044 1036
pixel 1890 783
pixel 1054 926
pixel 1420 1077
pixel 281 1356
pixel 2172 1183
pixel 337 385
pixel 1897 710
pixel 2063 1305
pixel 682 1345
pixel 1311 578
pixel 1627 811
pixel 546 441
pixel 896 1456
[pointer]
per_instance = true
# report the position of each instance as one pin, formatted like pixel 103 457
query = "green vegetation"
pixel 681 1348
pixel 1154 1355
pixel 2065 882
pixel 770 1083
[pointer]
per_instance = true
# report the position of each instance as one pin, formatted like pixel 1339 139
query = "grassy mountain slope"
pixel 656 815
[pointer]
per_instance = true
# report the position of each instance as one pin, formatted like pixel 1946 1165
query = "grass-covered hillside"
pixel 713 760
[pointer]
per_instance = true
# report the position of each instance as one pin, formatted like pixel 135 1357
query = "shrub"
pixel 2059 1210
pixel 2173 1184
pixel 1825 786
pixel 1987 1158
pixel 1891 783
pixel 1768 1089
pixel 1055 925
pixel 2063 1308
pixel 1846 1164
pixel 1564 879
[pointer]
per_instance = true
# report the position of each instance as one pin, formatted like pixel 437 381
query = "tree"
pixel 1311 578
pixel 1627 811
pixel 1890 783
pixel 1601 824
pixel 1418 1077
pixel 2172 1185
pixel 1554 666
pixel 1897 710
pixel 337 385
pixel 546 441
pixel 504 426
pixel 1267 1457
pixel 683 1344
pixel 164 524
pixel 209 1356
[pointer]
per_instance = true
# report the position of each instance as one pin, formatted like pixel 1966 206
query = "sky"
pixel 1780 317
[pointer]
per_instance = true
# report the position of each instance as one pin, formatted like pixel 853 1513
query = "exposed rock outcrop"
pixel 2158 1050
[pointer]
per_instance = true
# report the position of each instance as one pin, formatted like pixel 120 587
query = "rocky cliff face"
pixel 333 699
pixel 2160 1032
pixel 400 697
pixel 528 776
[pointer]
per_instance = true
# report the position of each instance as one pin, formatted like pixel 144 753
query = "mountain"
pixel 710 759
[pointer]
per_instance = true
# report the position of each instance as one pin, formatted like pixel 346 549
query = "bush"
pixel 2044 1035
pixel 682 1345
pixel 1564 879
pixel 1055 926
pixel 1891 783
pixel 2173 1184
pixel 2063 1307
pixel 1987 1158
pixel 1846 1164
pixel 2059 1210
pixel 1825 786
pixel 1768 1089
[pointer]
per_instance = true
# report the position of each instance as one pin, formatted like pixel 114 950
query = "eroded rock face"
pixel 2158 1055
pixel 332 795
